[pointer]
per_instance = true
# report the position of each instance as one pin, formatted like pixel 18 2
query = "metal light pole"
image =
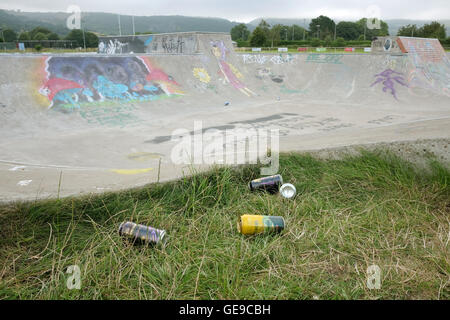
pixel 82 29
pixel 120 28
pixel 84 40
pixel 335 31
pixel 365 30
pixel 304 29
pixel 134 31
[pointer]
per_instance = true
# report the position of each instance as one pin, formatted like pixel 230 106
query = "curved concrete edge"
pixel 414 141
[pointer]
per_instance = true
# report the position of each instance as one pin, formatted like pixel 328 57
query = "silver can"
pixel 141 234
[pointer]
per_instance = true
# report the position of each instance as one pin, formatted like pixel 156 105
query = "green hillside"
pixel 107 23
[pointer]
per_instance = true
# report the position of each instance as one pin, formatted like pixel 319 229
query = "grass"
pixel 374 209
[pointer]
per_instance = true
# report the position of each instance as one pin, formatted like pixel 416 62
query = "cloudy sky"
pixel 247 10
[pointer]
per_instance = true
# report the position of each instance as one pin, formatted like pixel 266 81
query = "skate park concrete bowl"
pixel 74 124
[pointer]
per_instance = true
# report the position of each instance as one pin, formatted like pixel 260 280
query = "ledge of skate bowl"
pixel 74 124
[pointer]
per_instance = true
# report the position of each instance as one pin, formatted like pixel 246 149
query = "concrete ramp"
pixel 81 123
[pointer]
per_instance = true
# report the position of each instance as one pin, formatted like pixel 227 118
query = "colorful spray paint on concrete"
pixel 324 58
pixel 431 65
pixel 388 78
pixel 201 74
pixel 231 74
pixel 72 82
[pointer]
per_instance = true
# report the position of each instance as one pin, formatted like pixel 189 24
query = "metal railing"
pixel 31 44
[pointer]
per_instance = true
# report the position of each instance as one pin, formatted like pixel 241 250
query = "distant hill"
pixel 107 23
pixel 284 21
pixel 394 24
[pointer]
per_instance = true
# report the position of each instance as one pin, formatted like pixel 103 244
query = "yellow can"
pixel 253 224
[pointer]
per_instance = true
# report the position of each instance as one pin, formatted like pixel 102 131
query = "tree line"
pixel 323 31
pixel 42 34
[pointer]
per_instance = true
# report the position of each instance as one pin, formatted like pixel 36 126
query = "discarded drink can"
pixel 254 224
pixel 140 234
pixel 270 184
pixel 288 191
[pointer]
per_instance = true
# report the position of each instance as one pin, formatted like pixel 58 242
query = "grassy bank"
pixel 374 209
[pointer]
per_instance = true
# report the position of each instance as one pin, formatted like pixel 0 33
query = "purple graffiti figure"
pixel 388 77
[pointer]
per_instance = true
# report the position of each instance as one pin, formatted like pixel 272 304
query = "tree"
pixel 258 37
pixel 348 30
pixel 77 35
pixel 265 27
pixel 40 36
pixel 53 36
pixel 433 30
pixel 275 34
pixel 9 35
pixel 340 42
pixel 240 32
pixel 326 26
pixel 409 31
pixel 37 30
pixel 296 32
pixel 371 33
pixel 24 36
pixel 315 42
pixel 91 40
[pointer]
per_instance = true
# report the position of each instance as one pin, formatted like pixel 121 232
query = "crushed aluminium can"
pixel 254 224
pixel 140 234
pixel 270 184
pixel 288 191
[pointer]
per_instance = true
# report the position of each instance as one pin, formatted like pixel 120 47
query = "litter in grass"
pixel 288 191
pixel 140 234
pixel 254 224
pixel 270 184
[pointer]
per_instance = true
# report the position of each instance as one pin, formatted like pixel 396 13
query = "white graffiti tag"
pixel 113 47
pixel 262 59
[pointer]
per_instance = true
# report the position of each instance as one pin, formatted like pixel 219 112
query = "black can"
pixel 270 184
pixel 140 234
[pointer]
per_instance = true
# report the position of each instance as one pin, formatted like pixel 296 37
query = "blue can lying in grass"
pixel 140 234
pixel 270 184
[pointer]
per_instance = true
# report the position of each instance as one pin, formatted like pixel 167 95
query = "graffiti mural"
pixel 155 43
pixel 262 59
pixel 386 45
pixel 75 81
pixel 388 78
pixel 114 46
pixel 231 74
pixel 173 43
pixel 263 73
pixel 324 58
pixel 431 66
pixel 201 74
